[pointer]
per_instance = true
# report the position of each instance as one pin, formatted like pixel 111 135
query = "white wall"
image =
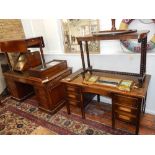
pixel 111 56
pixel 50 29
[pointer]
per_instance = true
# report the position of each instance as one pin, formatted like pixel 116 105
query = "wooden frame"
pixel 22 46
pixel 116 35
pixel 72 28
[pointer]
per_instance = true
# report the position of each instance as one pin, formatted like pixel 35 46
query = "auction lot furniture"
pixel 31 74
pixel 49 91
pixel 128 91
pixel 126 106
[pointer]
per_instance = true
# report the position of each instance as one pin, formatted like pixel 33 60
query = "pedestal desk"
pixel 126 106
pixel 49 91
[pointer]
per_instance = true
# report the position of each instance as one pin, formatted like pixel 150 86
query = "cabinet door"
pixel 57 95
pixel 42 97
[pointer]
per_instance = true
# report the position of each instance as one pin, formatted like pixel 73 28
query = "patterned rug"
pixel 24 118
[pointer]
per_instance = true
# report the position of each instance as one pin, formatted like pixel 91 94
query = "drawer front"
pixel 74 102
pixel 125 118
pixel 126 109
pixel 125 100
pixel 72 89
pixel 73 95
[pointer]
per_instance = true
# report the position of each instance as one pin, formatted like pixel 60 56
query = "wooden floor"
pixel 147 124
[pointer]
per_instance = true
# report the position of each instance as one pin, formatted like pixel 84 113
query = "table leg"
pixel 68 107
pixel 138 116
pixel 98 98
pixel 144 105
pixel 113 114
pixel 82 106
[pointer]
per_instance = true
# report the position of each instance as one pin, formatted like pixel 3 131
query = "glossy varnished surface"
pixel 111 35
pixel 126 105
pixel 138 92
pixel 49 91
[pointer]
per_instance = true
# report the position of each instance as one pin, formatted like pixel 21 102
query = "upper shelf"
pixel 114 35
pixel 21 45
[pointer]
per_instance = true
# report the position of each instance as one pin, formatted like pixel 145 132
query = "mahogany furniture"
pixel 49 91
pixel 31 74
pixel 126 106
pixel 116 35
pixel 21 46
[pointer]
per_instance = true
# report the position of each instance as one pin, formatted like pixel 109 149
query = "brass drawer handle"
pixel 124 117
pixel 124 109
pixel 72 96
pixel 71 89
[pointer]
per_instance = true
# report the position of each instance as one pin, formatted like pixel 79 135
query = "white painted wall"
pixel 111 56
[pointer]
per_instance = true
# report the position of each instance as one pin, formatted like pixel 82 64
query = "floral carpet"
pixel 24 118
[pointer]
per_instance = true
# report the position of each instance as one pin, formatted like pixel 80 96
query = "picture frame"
pixel 72 28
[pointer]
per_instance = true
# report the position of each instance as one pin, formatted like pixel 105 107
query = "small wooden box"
pixel 27 60
pixel 52 68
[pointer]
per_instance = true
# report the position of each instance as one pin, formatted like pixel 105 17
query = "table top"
pixel 26 78
pixel 114 35
pixel 77 80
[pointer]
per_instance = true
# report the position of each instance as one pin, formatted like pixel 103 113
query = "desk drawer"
pixel 125 100
pixel 74 95
pixel 74 102
pixel 72 89
pixel 131 110
pixel 125 117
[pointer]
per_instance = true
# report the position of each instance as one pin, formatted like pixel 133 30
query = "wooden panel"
pixel 49 71
pixel 125 100
pixel 52 94
pixel 72 88
pixel 126 109
pixel 14 46
pixel 73 95
pixel 125 118
pixel 19 90
pixel 57 95
pixel 75 103
pixel 42 97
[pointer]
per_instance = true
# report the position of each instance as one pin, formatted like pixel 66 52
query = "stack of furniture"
pixel 31 74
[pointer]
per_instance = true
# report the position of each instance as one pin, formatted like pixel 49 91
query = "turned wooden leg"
pixel 144 106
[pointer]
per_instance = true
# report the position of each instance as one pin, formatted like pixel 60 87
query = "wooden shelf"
pixel 112 35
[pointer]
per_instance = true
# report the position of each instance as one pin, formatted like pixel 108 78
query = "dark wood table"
pixel 126 105
pixel 49 92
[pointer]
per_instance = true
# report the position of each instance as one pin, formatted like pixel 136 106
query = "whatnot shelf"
pixel 141 36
